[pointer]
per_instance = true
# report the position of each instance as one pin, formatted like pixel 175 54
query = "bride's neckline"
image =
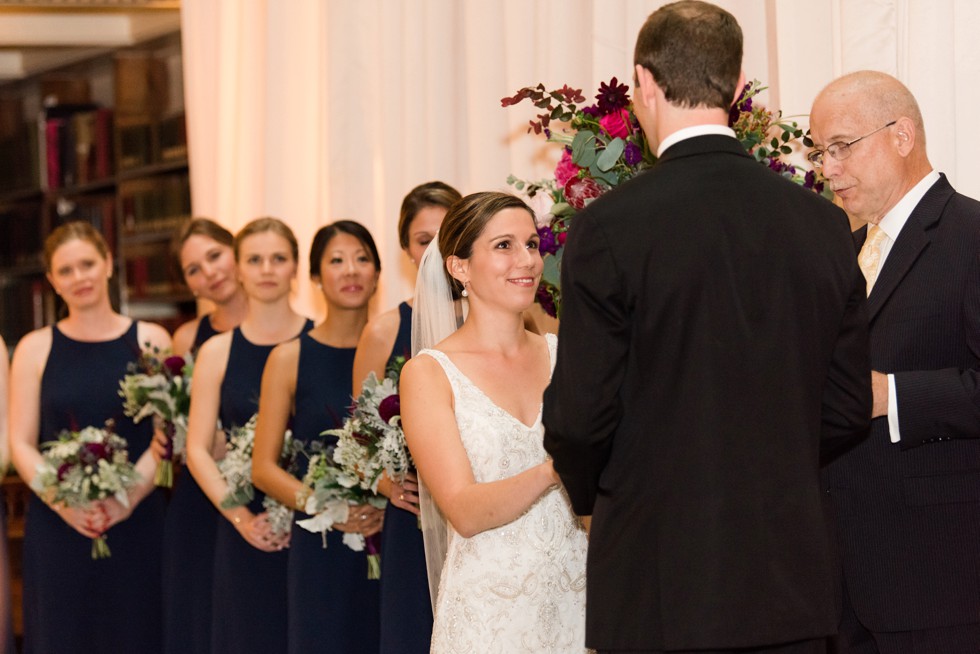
pixel 493 403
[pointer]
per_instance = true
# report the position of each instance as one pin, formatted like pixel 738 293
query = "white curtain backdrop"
pixel 317 110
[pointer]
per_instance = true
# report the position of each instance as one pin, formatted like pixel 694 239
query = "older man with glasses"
pixel 907 499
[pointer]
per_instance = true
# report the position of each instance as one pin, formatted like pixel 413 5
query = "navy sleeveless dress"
pixel 406 609
pixel 333 606
pixel 249 585
pixel 188 555
pixel 72 603
pixel 6 622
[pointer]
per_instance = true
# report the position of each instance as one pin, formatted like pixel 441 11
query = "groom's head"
pixel 693 50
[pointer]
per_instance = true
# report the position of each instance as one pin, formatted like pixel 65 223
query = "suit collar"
pixel 697 145
pixel 912 240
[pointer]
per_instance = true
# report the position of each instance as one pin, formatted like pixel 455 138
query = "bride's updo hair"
pixel 466 220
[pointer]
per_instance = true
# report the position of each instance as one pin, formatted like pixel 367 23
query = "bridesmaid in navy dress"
pixel 406 610
pixel 248 612
pixel 6 623
pixel 67 377
pixel 333 606
pixel 204 251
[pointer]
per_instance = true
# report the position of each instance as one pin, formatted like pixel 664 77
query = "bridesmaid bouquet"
pixel 86 466
pixel 161 386
pixel 371 441
pixel 603 146
pixel 330 492
pixel 236 468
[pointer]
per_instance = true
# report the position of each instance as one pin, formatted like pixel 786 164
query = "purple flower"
pixel 632 155
pixel 92 452
pixel 549 243
pixel 63 470
pixel 740 105
pixel 546 300
pixel 174 365
pixel 612 97
pixel 390 407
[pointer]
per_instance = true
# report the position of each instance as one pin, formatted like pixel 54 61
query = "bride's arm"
pixel 429 422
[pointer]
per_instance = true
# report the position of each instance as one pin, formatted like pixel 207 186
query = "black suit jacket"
pixel 713 334
pixel 909 513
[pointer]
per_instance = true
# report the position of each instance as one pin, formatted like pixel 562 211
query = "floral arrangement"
pixel 160 386
pixel 371 441
pixel 603 146
pixel 86 466
pixel 330 492
pixel 236 468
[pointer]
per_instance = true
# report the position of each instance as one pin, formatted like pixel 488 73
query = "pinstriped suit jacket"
pixel 909 513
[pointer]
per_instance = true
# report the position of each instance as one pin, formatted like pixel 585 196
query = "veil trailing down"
pixel 434 317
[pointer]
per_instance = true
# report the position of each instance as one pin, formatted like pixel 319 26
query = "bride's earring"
pixel 464 292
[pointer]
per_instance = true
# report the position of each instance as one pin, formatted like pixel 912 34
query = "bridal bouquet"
pixel 161 386
pixel 236 468
pixel 603 146
pixel 86 466
pixel 371 441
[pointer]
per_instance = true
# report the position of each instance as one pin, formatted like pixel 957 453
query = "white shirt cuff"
pixel 893 432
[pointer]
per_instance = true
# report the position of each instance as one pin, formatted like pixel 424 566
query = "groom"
pixel 713 346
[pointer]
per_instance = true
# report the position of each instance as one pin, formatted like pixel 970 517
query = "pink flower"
pixel 561 236
pixel 616 124
pixel 565 170
pixel 541 204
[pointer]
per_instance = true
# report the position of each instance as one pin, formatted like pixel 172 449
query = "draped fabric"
pixel 316 110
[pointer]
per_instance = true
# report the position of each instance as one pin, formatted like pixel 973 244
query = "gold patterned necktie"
pixel 869 258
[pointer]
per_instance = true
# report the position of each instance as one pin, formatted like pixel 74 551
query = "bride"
pixel 513 578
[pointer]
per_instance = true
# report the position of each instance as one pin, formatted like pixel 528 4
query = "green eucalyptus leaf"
pixel 608 158
pixel 774 143
pixel 786 149
pixel 583 149
pixel 551 272
pixel 560 209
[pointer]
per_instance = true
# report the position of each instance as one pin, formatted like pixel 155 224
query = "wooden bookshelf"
pixel 102 140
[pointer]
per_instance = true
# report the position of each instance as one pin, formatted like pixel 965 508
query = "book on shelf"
pixel 77 145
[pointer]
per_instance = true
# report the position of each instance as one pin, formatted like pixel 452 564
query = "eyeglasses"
pixel 840 150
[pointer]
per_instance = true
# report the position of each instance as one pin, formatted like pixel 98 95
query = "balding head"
pixel 875 96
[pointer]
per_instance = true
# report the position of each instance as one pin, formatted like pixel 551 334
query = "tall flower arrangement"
pixel 160 385
pixel 603 146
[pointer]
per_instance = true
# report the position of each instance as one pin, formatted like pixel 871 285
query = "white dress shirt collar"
pixel 897 216
pixel 691 132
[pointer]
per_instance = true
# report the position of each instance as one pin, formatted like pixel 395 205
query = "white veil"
pixel 433 319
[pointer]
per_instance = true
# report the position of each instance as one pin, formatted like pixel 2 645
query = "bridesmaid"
pixel 249 583
pixel 205 254
pixel 67 377
pixel 406 611
pixel 6 624
pixel 307 384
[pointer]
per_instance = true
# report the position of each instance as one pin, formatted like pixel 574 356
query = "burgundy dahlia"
pixel 390 407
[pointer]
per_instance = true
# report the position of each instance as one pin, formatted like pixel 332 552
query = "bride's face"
pixel 505 265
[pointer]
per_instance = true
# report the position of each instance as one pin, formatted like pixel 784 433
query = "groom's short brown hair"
pixel 693 50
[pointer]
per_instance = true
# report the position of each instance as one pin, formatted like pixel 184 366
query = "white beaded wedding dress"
pixel 519 587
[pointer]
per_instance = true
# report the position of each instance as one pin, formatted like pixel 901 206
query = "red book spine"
pixel 103 143
pixel 52 141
